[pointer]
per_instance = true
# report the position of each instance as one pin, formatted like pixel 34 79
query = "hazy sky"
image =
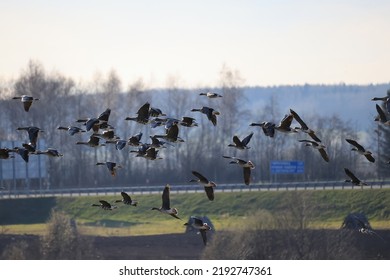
pixel 269 42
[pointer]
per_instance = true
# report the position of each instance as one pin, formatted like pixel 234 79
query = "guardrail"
pixel 193 188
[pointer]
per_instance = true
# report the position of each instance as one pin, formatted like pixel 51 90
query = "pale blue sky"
pixel 269 42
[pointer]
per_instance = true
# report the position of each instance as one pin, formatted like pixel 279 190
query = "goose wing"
pixel 324 154
pixel 356 144
pixel 143 111
pixel 247 175
pixel 105 204
pixel 246 140
pixel 209 192
pixel 299 120
pixel 126 197
pixel 351 175
pixel 204 236
pixel 165 198
pixel 286 121
pixel 382 114
pixel 369 157
pixel 201 178
pixel 237 141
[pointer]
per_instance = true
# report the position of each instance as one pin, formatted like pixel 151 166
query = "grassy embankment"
pixel 322 209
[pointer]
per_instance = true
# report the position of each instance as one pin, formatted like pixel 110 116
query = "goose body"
pixel 318 146
pixel 206 183
pixel 209 112
pixel 361 150
pixel 26 101
pixel 246 165
pixel 353 179
pixel 267 127
pixel 199 224
pixel 166 204
pixel 171 134
pixel 5 153
pixel 33 132
pixel 92 142
pixel 111 166
pixel 126 199
pixel 104 205
pixel 241 145
pixel 50 152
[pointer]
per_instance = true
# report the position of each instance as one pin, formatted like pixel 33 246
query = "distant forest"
pixel 62 101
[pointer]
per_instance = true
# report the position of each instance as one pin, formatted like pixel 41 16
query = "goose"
pixel 304 128
pixel 151 154
pixel 106 134
pixel 188 122
pixel 101 122
pixel 382 118
pixel 199 224
pixel 72 130
pixel 209 112
pixel 112 166
pixel 32 134
pixel 166 207
pixel 135 140
pixel 246 165
pixel 385 99
pixel 92 142
pixel 120 144
pixel 285 125
pixel 5 153
pixel 155 112
pixel 105 205
pixel 206 183
pixel 241 145
pixel 158 144
pixel 50 152
pixel 360 149
pixel 141 152
pixel 317 145
pixel 353 179
pixel 267 127
pixel 142 115
pixel 210 94
pixel 171 134
pixel 126 199
pixel 26 100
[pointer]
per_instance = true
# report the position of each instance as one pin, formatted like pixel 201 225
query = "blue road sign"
pixel 287 167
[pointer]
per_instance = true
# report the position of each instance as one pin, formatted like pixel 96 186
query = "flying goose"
pixel 360 149
pixel 111 166
pixel 101 122
pixel 246 165
pixel 267 127
pixel 72 130
pixel 353 179
pixel 158 144
pixel 209 112
pixel 166 207
pixel 23 152
pixel 241 145
pixel 50 152
pixel 304 127
pixel 32 134
pixel 26 100
pixel 382 118
pixel 197 223
pixel 171 134
pixel 142 115
pixel 385 99
pixel 151 154
pixel 92 142
pixel 106 134
pixel 188 122
pixel 126 199
pixel 317 145
pixel 285 124
pixel 210 94
pixel 206 183
pixel 105 205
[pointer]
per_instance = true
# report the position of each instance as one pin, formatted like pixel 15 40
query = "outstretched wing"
pixel 356 144
pixel 105 204
pixel 200 177
pixel 382 115
pixel 165 198
pixel 236 140
pixel 351 175
pixel 324 154
pixel 247 175
pixel 125 196
pixel 299 120
pixel 246 140
pixel 204 237
pixel 209 192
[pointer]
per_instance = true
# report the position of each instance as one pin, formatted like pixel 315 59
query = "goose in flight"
pixel 171 134
pixel 382 118
pixel 361 150
pixel 267 127
pixel 317 145
pixel 385 99
pixel 304 128
pixel 104 205
pixel 210 94
pixel 126 199
pixel 246 165
pixel 199 224
pixel 26 100
pixel 72 130
pixel 209 112
pixel 111 166
pixel 143 114
pixel 166 207
pixel 353 179
pixel 32 134
pixel 206 183
pixel 241 145
pixel 285 124
pixel 92 142
pixel 188 122
pixel 50 152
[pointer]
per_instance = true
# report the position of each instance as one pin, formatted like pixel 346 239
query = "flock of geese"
pixel 147 115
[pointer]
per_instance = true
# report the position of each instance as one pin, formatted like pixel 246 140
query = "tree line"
pixel 62 101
